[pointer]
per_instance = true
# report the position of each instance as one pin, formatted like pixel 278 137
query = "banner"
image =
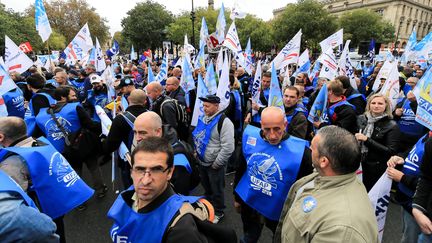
pixel 15 59
pixel 332 41
pixel 26 47
pixel 232 42
pixel 329 65
pixel 423 92
pixel 379 196
pixel 80 45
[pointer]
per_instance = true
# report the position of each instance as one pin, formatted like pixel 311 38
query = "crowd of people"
pixel 296 177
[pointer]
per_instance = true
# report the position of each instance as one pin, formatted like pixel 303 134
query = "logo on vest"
pixel 251 141
pixel 62 170
pixel 264 173
pixel 198 140
pixel 54 131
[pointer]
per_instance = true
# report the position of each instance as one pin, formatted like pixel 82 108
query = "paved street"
pixel 93 226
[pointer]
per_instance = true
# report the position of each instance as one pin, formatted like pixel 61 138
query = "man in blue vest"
pixel 271 162
pixel 42 96
pixel 14 101
pixel 407 179
pixel 263 101
pixel 339 111
pixel 214 145
pixel 58 187
pixel 296 118
pixel 152 199
pixel 404 115
pixel 98 95
pixel 149 124
pixel 352 96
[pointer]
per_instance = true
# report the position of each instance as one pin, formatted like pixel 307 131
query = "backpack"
pixel 184 148
pixel 182 118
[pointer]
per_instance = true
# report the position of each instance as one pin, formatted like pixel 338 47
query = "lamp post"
pixel 397 33
pixel 193 24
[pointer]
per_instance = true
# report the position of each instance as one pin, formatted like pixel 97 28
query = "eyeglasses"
pixel 156 171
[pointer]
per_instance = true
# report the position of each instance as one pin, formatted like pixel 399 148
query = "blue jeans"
pixel 410 230
pixel 213 182
pixel 424 238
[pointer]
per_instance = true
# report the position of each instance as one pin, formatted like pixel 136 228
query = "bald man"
pixel 121 130
pixel 177 72
pixel 149 124
pixel 161 105
pixel 174 90
pixel 271 162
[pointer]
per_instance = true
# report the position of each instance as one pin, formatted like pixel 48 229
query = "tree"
pixel 310 16
pixel 68 17
pixel 363 25
pixel 145 24
pixel 123 43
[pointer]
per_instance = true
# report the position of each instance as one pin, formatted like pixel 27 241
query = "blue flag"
pixel 203 33
pixel 132 54
pixel 319 108
pixel 114 50
pixel 202 91
pixel 371 51
pixel 150 76
pixel 43 26
pixel 275 96
pixel 200 59
pixel 210 79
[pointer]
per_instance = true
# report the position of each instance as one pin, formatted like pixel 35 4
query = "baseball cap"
pixel 95 79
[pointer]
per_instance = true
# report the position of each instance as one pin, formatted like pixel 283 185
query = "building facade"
pixel 403 14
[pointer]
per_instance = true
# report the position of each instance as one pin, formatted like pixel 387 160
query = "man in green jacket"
pixel 330 205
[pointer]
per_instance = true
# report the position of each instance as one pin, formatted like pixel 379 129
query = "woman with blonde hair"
pixel 379 138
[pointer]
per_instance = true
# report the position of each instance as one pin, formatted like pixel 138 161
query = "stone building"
pixel 403 14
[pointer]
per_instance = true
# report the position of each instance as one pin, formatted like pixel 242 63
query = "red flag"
pixel 26 47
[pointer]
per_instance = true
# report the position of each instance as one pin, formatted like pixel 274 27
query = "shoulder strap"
pixel 62 129
pixel 220 122
pixel 203 211
pixel 130 119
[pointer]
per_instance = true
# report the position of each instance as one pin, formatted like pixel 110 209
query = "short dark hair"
pixel 155 145
pixel 336 87
pixel 293 88
pixel 36 81
pixel 267 74
pixel 341 149
pixel 63 91
pixel 344 80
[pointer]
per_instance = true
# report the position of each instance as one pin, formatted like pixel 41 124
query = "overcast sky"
pixel 115 10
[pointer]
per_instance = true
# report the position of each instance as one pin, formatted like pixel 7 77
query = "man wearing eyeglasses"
pixel 151 200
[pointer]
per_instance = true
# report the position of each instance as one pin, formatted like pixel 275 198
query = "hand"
pixel 394 174
pixel 248 118
pixel 395 160
pixel 316 124
pixel 399 112
pixel 423 221
pixel 255 106
pixel 360 137
pixel 214 166
pixel 411 97
pixel 237 207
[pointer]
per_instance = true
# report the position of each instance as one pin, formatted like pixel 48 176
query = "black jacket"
pixel 382 144
pixel 178 95
pixel 40 101
pixel 121 130
pixel 423 195
pixel 298 126
pixel 168 113
pixel 358 102
pixel 344 117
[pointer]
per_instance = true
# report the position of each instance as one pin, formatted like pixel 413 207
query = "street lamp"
pixel 193 24
pixel 397 33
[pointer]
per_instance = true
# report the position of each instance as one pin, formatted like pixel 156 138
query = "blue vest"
pixel 355 95
pixel 130 226
pixel 202 133
pixel 292 115
pixel 58 187
pixel 80 86
pixel 29 116
pixel 367 71
pixel 331 110
pixel 412 164
pixel 271 171
pixel 7 184
pixel 266 93
pixel 68 118
pixel 52 82
pixel 407 123
pixel 238 108
pixel 14 100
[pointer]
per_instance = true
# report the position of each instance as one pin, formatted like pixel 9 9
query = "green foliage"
pixel 363 25
pixel 145 24
pixel 310 16
pixel 123 42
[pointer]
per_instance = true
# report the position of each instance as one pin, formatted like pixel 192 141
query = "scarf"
pixel 368 130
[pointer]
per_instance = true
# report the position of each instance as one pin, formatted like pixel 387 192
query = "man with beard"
pixel 98 95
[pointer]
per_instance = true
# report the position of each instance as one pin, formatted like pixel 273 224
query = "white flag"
pixel 290 53
pixel 379 197
pixel 15 59
pixel 80 45
pixel 391 87
pixel 256 85
pixel 219 63
pixel 329 65
pixel 100 61
pixel 232 42
pixel 237 11
pixel 332 41
pixel 345 66
pixel 3 108
pixel 6 83
pixel 224 86
pixel 383 73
